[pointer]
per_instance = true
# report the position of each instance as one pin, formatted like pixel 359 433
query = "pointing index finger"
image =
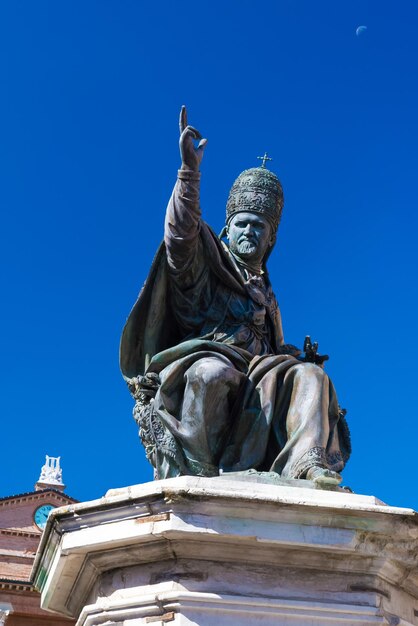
pixel 183 118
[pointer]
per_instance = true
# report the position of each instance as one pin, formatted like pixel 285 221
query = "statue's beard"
pixel 245 249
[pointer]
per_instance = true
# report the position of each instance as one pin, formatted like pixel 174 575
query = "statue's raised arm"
pixel 182 223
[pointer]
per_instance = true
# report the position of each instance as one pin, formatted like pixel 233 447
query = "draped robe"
pixel 231 395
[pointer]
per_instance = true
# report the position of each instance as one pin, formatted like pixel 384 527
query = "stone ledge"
pixel 255 486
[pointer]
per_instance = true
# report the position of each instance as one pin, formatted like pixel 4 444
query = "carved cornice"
pixel 16 585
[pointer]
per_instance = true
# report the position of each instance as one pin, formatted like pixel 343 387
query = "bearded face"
pixel 250 235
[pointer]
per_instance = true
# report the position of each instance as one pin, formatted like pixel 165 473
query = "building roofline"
pixel 39 491
pixel 17 583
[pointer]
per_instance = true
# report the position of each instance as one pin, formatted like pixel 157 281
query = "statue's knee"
pixel 209 371
pixel 310 370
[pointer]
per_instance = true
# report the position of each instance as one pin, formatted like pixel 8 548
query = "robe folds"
pixel 215 385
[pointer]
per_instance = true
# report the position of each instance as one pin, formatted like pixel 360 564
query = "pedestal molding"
pixel 162 603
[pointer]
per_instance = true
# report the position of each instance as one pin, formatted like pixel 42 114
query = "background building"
pixel 22 519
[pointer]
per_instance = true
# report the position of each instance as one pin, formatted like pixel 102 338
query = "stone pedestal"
pixel 223 551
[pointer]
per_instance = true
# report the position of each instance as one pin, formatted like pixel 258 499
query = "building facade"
pixel 22 519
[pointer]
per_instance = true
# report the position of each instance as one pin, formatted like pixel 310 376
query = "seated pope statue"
pixel 216 387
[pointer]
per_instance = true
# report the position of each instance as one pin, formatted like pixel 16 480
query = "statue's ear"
pixel 272 239
pixel 224 232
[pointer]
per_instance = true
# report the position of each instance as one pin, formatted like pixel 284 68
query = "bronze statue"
pixel 203 353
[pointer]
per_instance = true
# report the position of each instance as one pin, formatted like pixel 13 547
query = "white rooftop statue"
pixel 51 472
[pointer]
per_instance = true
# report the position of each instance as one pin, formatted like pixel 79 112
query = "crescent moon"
pixel 360 30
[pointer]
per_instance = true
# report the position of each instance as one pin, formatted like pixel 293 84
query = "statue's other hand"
pixel 191 156
pixel 311 353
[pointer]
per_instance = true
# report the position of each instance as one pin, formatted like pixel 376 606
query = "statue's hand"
pixel 311 353
pixel 191 156
pixel 144 385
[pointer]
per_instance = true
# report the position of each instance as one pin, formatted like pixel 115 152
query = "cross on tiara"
pixel 264 159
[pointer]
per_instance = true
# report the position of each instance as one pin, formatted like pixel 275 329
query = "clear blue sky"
pixel 90 95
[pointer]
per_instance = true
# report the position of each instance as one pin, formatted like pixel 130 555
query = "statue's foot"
pixel 323 477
